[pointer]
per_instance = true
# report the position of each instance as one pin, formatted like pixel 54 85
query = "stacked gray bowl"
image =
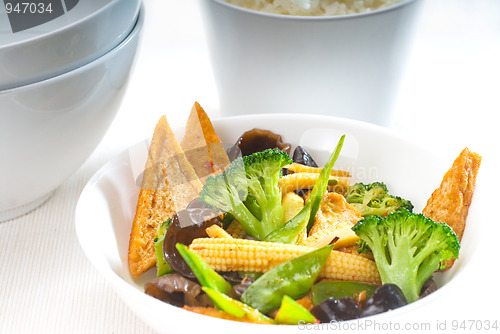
pixel 63 74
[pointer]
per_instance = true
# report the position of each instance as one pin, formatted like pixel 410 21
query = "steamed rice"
pixel 314 7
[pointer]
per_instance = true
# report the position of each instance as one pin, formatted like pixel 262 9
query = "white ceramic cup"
pixel 348 66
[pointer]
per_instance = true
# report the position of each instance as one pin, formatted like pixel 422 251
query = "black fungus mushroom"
pixel 238 289
pixel 177 290
pixel 187 225
pixel 301 156
pixel 385 298
pixel 257 140
pixel 336 310
pixel 429 287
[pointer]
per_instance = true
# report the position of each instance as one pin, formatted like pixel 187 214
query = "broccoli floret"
pixel 248 190
pixel 227 192
pixel 373 199
pixel 407 247
pixel 263 171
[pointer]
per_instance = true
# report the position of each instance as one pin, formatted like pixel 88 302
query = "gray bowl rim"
pixel 71 25
pixel 137 27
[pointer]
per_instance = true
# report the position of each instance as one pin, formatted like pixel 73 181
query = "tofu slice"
pixel 201 144
pixel 450 202
pixel 169 183
pixel 335 218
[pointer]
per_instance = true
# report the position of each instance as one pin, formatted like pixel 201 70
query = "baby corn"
pixel 251 255
pixel 215 231
pixel 299 168
pixel 296 181
pixel 236 230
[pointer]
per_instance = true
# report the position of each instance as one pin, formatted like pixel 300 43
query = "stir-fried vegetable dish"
pixel 274 238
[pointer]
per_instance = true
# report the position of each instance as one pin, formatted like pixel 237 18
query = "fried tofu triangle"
pixel 201 144
pixel 169 183
pixel 450 202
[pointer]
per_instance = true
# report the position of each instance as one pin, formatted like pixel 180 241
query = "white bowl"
pixel 82 34
pixel 48 129
pixel 106 209
pixel 345 66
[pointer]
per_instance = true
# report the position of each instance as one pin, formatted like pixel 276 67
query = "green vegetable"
pixel 292 313
pixel 251 203
pixel 203 272
pixel 251 274
pixel 320 186
pixel 293 278
pixel 227 219
pixel 227 191
pixel 288 232
pixel 248 190
pixel 339 289
pixel 162 266
pixel 407 247
pixel 373 199
pixel 263 171
pixel 233 306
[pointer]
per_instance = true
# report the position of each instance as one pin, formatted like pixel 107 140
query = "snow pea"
pixel 233 306
pixel 203 272
pixel 339 289
pixel 289 232
pixel 293 278
pixel 322 182
pixel 292 313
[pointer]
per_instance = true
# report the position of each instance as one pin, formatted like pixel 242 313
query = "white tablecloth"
pixel 448 98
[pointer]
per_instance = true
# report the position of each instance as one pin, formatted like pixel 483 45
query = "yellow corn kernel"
pixel 350 267
pixel 299 168
pixel 236 230
pixel 215 231
pixel 292 204
pixel 259 256
pixel 296 181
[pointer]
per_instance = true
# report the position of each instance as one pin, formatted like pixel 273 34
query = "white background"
pixel 448 100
